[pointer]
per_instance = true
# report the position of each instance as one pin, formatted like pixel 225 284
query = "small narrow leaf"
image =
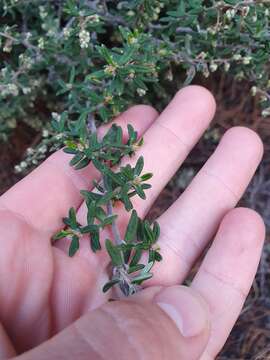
pixel 89 229
pixel 132 227
pixel 135 268
pixel 105 198
pixel 60 235
pixel 68 150
pixel 72 221
pixel 132 134
pixel 140 278
pixel 139 166
pixel 147 267
pixel 74 245
pixel 119 135
pixel 114 252
pixel 109 285
pixel 146 176
pixel 126 201
pixel 100 213
pixel 139 191
pixel 148 232
pixel 136 258
pixel 78 157
pixel 90 196
pixel 91 211
pixel 158 257
pixel 146 186
pixel 82 164
pixel 156 231
pixel 94 241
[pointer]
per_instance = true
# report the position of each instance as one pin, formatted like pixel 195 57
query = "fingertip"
pixel 248 224
pixel 200 96
pixel 242 136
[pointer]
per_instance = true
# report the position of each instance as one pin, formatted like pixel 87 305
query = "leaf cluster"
pixel 138 51
pixel 116 186
pixel 140 237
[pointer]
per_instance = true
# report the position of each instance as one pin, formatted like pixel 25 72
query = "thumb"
pixel 158 323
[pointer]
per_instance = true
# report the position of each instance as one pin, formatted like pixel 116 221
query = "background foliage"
pixel 68 58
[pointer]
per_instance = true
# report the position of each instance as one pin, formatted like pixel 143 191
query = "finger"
pixel 168 141
pixel 45 195
pixel 171 324
pixel 227 272
pixel 190 223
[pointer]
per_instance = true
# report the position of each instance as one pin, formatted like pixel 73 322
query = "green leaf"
pixel 105 170
pixel 114 252
pixel 135 268
pixel 60 235
pixel 151 255
pixel 72 75
pixel 90 196
pixel 110 284
pixel 158 257
pixel 140 278
pixel 139 191
pixel 148 233
pixel 78 157
pixel 132 134
pixel 104 52
pixel 126 253
pixel 74 245
pixel 119 135
pixel 156 231
pixel 125 199
pixel 94 241
pixel 82 164
pixel 72 218
pixel 106 198
pixel 100 213
pixel 146 186
pixel 127 56
pixel 147 267
pixel 89 229
pixel 139 166
pixel 69 150
pixel 91 211
pixel 127 172
pixel 136 257
pixel 132 227
pixel 146 176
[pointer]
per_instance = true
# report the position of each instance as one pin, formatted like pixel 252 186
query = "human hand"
pixel 43 291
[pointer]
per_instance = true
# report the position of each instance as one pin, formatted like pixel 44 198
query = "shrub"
pixel 62 60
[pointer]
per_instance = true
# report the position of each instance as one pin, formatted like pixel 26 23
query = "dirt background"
pixel 250 338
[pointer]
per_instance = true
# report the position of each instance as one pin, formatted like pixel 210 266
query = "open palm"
pixel 42 290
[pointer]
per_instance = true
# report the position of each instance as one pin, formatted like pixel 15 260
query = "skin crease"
pixel 43 292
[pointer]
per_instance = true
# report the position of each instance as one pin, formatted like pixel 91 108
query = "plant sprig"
pixel 117 185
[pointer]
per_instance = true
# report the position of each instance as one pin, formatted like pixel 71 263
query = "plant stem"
pixel 116 234
pixel 115 230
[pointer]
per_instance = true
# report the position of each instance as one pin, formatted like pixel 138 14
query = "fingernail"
pixel 188 312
